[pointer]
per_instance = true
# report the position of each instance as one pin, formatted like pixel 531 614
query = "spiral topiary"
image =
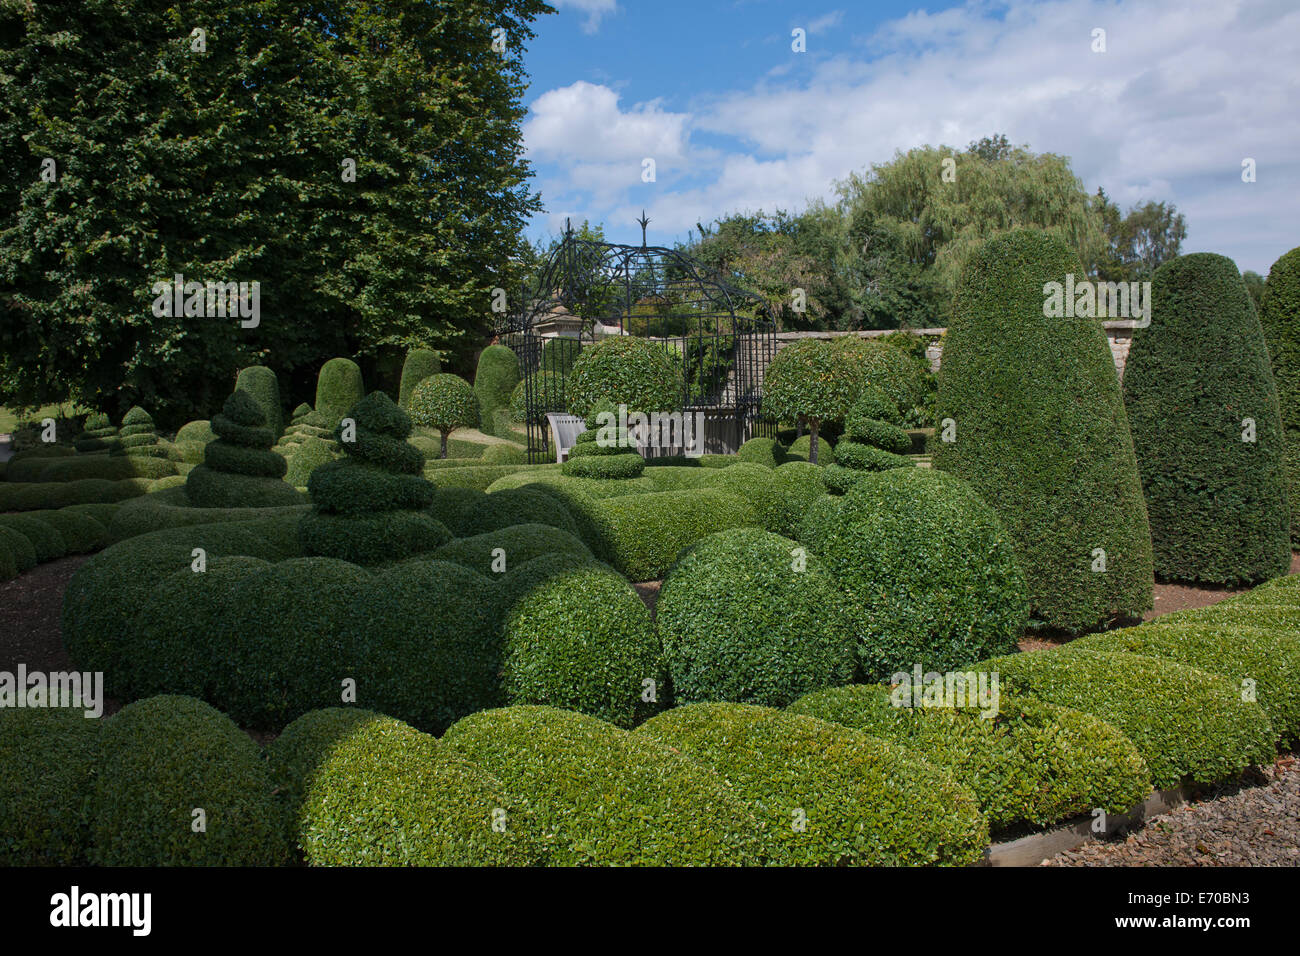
pixel 239 468
pixel 369 505
pixel 137 437
pixel 99 434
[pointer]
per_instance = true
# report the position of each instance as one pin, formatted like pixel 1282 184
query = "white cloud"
pixel 594 9
pixel 583 122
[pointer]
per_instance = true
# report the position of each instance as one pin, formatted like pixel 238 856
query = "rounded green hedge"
pixel 796 486
pixel 19 547
pixel 641 535
pixel 171 508
pixel 825 795
pixel 196 431
pixel 801 448
pixel 47 773
pixel 419 365
pixel 496 377
pixel 1030 763
pixel 1200 370
pixel 104 467
pixel 161 759
pixel 874 433
pixel 873 404
pixel 1283 590
pixel 928 568
pixel 43 495
pixel 339 386
pixel 1279 316
pixel 81 533
pixel 1058 471
pixel 502 509
pixel 504 454
pixel 901 374
pixel 377 792
pixel 98 435
pixel 747 616
pixel 310 454
pixel 867 457
pixel 1188 725
pixel 46 540
pixel 297 751
pixel 606 797
pixel 1269 659
pixel 520 543
pixel 625 370
pixel 621 465
pixel 762 451
pixel 583 640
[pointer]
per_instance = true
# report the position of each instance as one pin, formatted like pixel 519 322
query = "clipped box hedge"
pixel 42 495
pixel 1190 726
pixel 643 534
pixel 502 509
pixel 520 544
pixel 478 477
pixel 45 538
pixel 81 533
pixel 606 797
pixel 1032 762
pixel 825 795
pixel 171 508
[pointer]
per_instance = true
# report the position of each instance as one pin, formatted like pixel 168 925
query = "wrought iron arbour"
pixel 587 289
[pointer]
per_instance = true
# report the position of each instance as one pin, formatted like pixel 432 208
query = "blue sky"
pixel 736 120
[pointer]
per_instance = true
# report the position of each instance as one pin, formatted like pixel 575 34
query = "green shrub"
pixel 643 534
pixel 98 435
pixel 902 375
pixel 861 802
pixel 339 386
pixel 196 431
pixel 583 640
pixel 839 480
pixel 900 544
pixel 172 509
pixel 419 365
pixel 495 379
pixel 45 495
pixel 625 370
pixel 47 767
pixel 501 509
pixel 520 542
pixel 1283 590
pixel 296 753
pixel 762 451
pixel 801 449
pixel 559 354
pixel 481 477
pixel 445 403
pixel 749 617
pixel 383 794
pixel 19 547
pixel 874 433
pixel 459 453
pixel 310 455
pixel 160 760
pixel 852 454
pixel 1269 660
pixel 1188 725
pixel 8 563
pixel 261 385
pixel 1195 379
pixel 1031 762
pixel 606 797
pixel 451 507
pixel 103 512
pixel 81 533
pixel 1058 471
pixel 136 437
pixel 547 390
pixel 1279 316
pixel 46 540
pixel 240 470
pixel 619 466
pixel 796 485
pixel 813 380
pixel 105 467
pixel 504 454
pixel 1280 617
pixel 872 404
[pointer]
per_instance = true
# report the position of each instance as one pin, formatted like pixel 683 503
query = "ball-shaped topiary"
pixel 624 370
pixel 264 388
pixel 902 545
pixel 338 387
pixel 1059 471
pixel 801 450
pixel 1204 414
pixel 369 505
pixel 750 617
pixel 862 802
pixel 606 797
pixel 419 365
pixel 762 451
pixel 814 380
pixel 445 403
pixel 167 763
pixel 239 469
pixel 198 431
pixel 1279 315
pixel 494 380
pixel 583 641
pixel 47 771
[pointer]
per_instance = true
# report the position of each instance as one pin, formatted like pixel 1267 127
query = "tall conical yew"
pixel 1206 428
pixel 1030 414
pixel 1279 314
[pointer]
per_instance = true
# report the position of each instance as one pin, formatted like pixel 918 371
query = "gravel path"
pixel 1238 826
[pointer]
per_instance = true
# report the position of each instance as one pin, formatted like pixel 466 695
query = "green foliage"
pixel 1204 414
pixel 162 757
pixel 47 772
pixel 801 450
pixel 419 365
pixel 1030 762
pixel 20 549
pixel 172 509
pixel 900 545
pixel 481 477
pixel 605 797
pixel 495 380
pixel 873 403
pixel 1188 725
pixel 548 394
pixel 1058 471
pixel 445 403
pixel 895 375
pixel 41 495
pixel 102 467
pixel 310 454
pixel 98 435
pixel 196 431
pixel 1279 316
pixel 264 388
pixel 620 465
pixel 81 533
pixel 296 753
pixel 338 387
pixel 558 356
pixel 240 470
pixel 502 509
pixel 872 433
pixel 641 535
pixel 504 454
pixel 863 802
pixel 762 451
pixel 814 380
pixel 582 640
pixel 46 540
pixel 625 370
pixel 795 487
pixel 749 617
pixel 1140 242
pixel 520 542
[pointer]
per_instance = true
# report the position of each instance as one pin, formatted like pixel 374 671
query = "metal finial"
pixel 644 222
pixel 568 226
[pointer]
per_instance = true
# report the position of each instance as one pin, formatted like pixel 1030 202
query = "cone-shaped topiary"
pixel 496 378
pixel 99 434
pixel 239 469
pixel 419 365
pixel 1034 406
pixel 445 403
pixel 338 388
pixel 264 388
pixel 1206 429
pixel 1279 314
pixel 369 506
pixel 137 437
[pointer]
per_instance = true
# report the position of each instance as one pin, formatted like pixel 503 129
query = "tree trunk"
pixel 444 444
pixel 812 438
